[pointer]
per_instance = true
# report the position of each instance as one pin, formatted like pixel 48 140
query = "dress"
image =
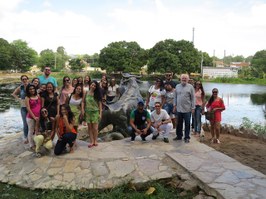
pixel 75 106
pixel 50 104
pixel 92 114
pixel 218 103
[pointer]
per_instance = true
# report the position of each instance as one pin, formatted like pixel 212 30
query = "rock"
pixel 190 185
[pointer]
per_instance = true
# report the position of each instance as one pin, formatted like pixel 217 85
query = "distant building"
pixel 240 64
pixel 213 72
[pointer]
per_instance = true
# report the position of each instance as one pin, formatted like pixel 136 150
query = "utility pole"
pixel 193 29
pixel 55 60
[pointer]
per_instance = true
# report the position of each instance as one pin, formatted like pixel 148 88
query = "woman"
pixel 93 112
pixel 104 90
pixel 33 104
pixel 216 106
pixel 76 103
pixel 156 93
pixel 20 94
pixel 199 109
pixel 46 133
pixel 67 89
pixel 87 83
pixel 36 82
pixel 50 101
pixel 169 100
pixel 80 80
pixel 112 90
pixel 74 82
pixel 66 132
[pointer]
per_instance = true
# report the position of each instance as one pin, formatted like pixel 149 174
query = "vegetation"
pixel 259 128
pixel 162 190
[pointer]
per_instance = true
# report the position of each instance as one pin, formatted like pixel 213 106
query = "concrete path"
pixel 114 163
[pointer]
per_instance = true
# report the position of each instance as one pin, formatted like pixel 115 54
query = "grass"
pixel 259 128
pixel 162 190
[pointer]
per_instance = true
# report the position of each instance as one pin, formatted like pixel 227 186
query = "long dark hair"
pixel 42 120
pixel 64 80
pixel 28 90
pixel 70 115
pixel 97 92
pixel 201 88
pixel 74 91
pixel 210 101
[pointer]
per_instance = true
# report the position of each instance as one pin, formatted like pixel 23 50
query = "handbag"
pixel 209 115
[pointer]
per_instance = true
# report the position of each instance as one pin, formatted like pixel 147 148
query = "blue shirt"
pixel 44 80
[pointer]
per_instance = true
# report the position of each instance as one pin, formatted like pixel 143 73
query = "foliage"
pixel 122 56
pixel 162 190
pixel 23 57
pixel 61 57
pixel 93 60
pixel 47 58
pixel 258 64
pixel 207 60
pixel 5 55
pixel 259 128
pixel 180 57
pixel 77 64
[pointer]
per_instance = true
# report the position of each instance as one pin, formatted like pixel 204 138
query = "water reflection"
pixel 240 101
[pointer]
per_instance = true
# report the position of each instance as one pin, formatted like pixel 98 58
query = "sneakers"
pixel 177 138
pixel 166 140
pixel 155 136
pixel 186 140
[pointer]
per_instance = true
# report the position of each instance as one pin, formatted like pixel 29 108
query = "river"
pixel 241 100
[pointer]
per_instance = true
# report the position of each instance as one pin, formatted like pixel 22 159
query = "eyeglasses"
pixel 67 80
pixel 215 92
pixel 48 69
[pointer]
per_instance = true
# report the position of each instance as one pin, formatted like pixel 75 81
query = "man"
pixel 140 121
pixel 45 78
pixel 169 79
pixel 161 122
pixel 184 106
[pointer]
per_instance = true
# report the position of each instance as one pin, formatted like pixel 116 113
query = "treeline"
pixel 168 55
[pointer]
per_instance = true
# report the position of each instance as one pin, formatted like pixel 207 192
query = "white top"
pixel 75 102
pixel 155 95
pixel 159 118
pixel 169 96
pixel 112 90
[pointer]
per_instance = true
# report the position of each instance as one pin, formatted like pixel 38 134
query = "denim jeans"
pixel 67 138
pixel 197 119
pixel 181 117
pixel 23 112
pixel 168 107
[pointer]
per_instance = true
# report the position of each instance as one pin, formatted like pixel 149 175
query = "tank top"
pixel 198 97
pixel 75 102
pixel 35 106
pixel 62 127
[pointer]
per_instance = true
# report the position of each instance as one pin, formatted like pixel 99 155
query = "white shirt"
pixel 155 95
pixel 157 118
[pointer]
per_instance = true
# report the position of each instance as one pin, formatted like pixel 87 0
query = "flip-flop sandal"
pixel 91 145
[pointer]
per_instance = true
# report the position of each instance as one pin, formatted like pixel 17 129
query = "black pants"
pixel 67 138
pixel 133 135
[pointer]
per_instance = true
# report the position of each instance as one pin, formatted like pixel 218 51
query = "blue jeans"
pixel 181 117
pixel 168 107
pixel 197 119
pixel 23 112
pixel 67 138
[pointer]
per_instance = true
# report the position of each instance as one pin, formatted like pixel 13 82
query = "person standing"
pixel 216 105
pixel 20 95
pixel 93 111
pixel 112 91
pixel 161 122
pixel 169 99
pixel 66 90
pixel 169 79
pixel 45 78
pixel 140 121
pixel 156 93
pixel 199 106
pixel 184 106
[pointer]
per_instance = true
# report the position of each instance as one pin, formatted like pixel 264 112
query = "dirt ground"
pixel 250 152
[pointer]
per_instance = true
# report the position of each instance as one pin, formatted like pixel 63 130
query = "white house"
pixel 213 72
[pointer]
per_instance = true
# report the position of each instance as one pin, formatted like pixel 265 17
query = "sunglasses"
pixel 215 92
pixel 157 106
pixel 67 80
pixel 24 79
pixel 47 69
pixel 44 111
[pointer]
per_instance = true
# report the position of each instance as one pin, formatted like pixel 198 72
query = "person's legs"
pixel 24 112
pixel 38 139
pixel 31 126
pixel 166 128
pixel 133 135
pixel 212 130
pixel 217 131
pixel 95 133
pixel 90 133
pixel 197 120
pixel 59 147
pixel 179 127
pixel 187 118
pixel 48 145
pixel 69 138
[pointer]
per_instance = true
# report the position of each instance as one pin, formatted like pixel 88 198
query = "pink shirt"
pixel 35 107
pixel 198 97
pixel 64 94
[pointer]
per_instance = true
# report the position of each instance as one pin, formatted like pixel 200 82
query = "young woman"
pixel 80 80
pixel 76 103
pixel 169 100
pixel 74 82
pixel 50 101
pixel 45 134
pixel 215 105
pixel 87 83
pixel 199 109
pixel 33 104
pixel 104 90
pixel 36 82
pixel 67 89
pixel 93 112
pixel 65 130
pixel 112 90
pixel 20 94
pixel 156 93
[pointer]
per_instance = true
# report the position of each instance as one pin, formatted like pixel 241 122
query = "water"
pixel 241 100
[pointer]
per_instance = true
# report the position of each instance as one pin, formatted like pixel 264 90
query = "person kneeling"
pixel 161 121
pixel 140 121
pixel 65 130
pixel 45 136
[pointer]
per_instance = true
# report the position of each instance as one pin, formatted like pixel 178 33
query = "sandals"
pixel 92 145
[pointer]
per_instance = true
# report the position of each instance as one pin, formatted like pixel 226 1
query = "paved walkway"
pixel 114 163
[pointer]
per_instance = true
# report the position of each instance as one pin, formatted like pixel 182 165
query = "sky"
pixel 221 27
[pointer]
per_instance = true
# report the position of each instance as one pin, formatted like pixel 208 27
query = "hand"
pixel 144 131
pixel 138 132
pixel 174 109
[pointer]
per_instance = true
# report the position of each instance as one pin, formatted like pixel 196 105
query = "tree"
pixel 122 56
pixel 47 58
pixel 249 59
pixel 183 54
pixel 207 60
pixel 61 57
pixel 5 55
pixel 23 57
pixel 76 64
pixel 258 63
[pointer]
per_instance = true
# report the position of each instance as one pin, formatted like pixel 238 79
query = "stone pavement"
pixel 118 162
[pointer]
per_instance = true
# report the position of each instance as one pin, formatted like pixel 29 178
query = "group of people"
pixel 175 105
pixel 47 111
